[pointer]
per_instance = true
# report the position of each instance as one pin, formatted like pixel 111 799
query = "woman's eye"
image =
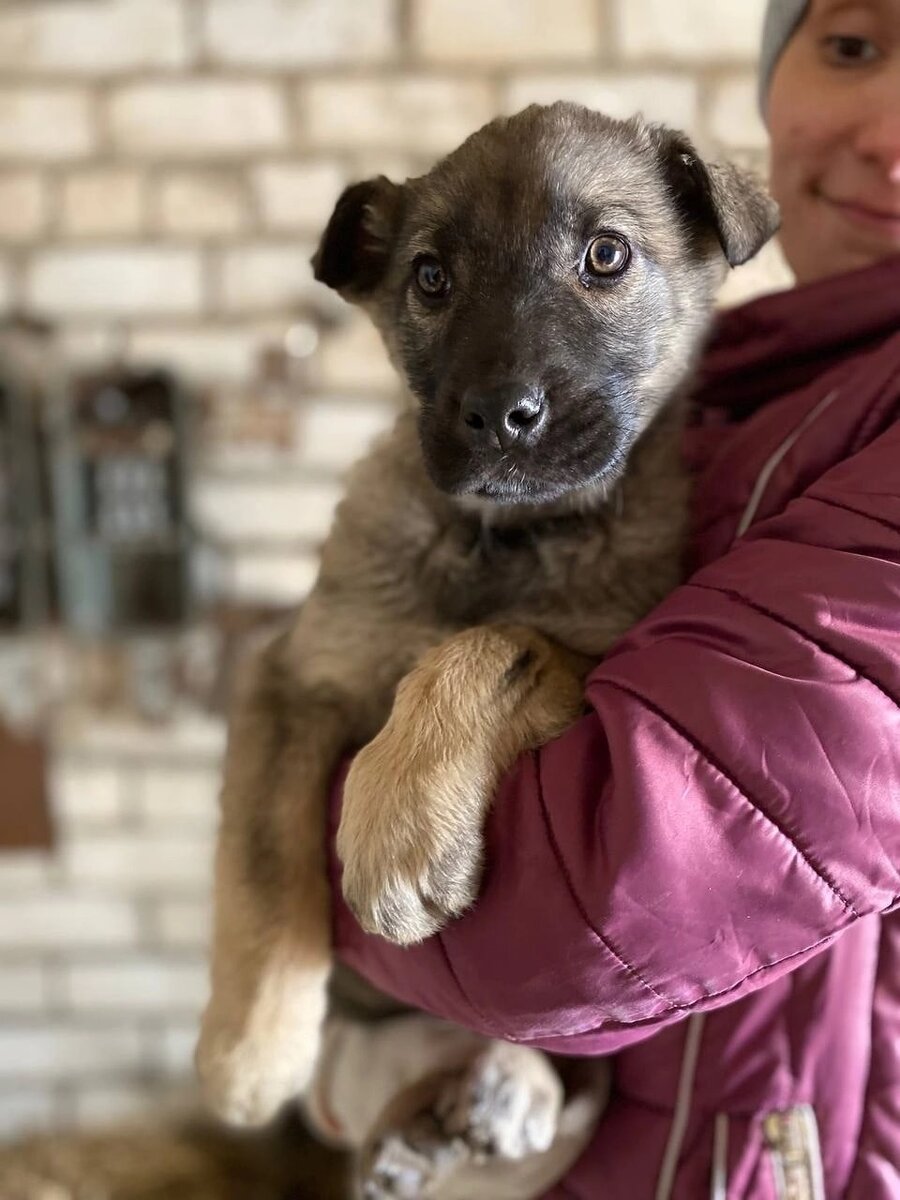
pixel 607 255
pixel 431 278
pixel 848 50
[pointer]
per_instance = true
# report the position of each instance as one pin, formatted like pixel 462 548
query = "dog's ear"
pixel 355 248
pixel 731 202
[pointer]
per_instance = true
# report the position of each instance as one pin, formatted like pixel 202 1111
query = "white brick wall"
pixel 131 280
pixel 298 195
pixel 104 201
pixel 297 33
pixel 23 206
pixel 46 123
pixel 690 31
pixel 191 203
pixel 166 168
pixel 267 276
pixel 93 37
pixel 425 113
pixel 507 31
pixel 197 119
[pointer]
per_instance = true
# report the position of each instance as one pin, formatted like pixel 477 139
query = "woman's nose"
pixel 879 139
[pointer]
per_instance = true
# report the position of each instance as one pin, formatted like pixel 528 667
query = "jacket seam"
pixel 482 1016
pixel 856 512
pixel 705 753
pixel 576 899
pixel 684 1009
pixel 820 645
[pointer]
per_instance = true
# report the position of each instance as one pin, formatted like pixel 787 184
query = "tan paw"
pixel 412 862
pixel 415 800
pixel 504 1105
pixel 249 1068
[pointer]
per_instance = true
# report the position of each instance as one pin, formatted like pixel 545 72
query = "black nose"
pixel 510 414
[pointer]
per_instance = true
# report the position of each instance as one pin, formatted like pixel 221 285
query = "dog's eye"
pixel 431 278
pixel 607 255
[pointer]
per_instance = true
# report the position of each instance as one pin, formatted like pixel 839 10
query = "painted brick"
pixel 45 1052
pixel 198 118
pixel 45 123
pixel 111 1104
pixel 92 36
pixel 115 281
pixel 659 96
pixel 693 31
pixel 423 113
pixel 734 119
pixel 170 797
pixel 26 1110
pixel 335 433
pixel 147 985
pixel 204 205
pixel 7 286
pixel 505 31
pixel 25 871
pixel 140 862
pixel 192 736
pixel 103 201
pixel 23 206
pixel 177 1049
pixel 22 987
pixel 263 277
pixel 296 33
pixel 85 344
pixel 205 354
pixel 256 577
pixel 57 919
pixel 232 509
pixel 354 357
pixel 86 793
pixel 183 924
pixel 297 195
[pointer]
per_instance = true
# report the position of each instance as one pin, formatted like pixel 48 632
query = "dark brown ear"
pixel 356 245
pixel 731 202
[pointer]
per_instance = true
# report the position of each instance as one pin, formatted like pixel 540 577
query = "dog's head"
pixel 544 290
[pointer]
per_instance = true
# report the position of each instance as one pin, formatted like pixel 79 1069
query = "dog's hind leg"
pixel 271 938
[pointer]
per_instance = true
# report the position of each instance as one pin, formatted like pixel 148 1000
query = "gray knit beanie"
pixel 782 18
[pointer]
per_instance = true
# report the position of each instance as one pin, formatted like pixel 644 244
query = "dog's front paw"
pixel 506 1104
pixel 411 842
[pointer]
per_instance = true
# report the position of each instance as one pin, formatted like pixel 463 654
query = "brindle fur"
pixel 464 589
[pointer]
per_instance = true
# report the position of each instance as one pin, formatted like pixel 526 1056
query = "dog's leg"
pixel 499 1126
pixel 415 800
pixel 270 952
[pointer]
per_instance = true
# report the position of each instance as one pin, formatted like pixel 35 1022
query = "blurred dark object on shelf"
pixel 26 541
pixel 119 454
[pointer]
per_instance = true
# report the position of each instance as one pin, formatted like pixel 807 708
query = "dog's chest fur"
pixel 420 561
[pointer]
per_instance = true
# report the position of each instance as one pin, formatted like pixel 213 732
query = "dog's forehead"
pixel 515 175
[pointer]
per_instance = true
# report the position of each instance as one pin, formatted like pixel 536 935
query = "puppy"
pixel 543 293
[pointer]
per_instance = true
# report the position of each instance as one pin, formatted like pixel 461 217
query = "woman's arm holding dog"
pixel 729 805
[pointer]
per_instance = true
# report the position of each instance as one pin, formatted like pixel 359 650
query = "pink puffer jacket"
pixel 700 876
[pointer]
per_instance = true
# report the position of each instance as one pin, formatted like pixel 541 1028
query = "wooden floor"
pixel 199 1162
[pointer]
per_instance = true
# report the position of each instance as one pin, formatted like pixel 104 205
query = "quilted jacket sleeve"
pixel 728 806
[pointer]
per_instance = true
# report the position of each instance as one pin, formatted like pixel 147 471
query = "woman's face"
pixel 834 122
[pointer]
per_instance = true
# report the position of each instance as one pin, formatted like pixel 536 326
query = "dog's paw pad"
pixel 406 1164
pixel 506 1105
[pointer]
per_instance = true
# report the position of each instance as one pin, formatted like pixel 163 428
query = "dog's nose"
pixel 510 414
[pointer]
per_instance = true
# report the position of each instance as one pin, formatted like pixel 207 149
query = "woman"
pixel 701 875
